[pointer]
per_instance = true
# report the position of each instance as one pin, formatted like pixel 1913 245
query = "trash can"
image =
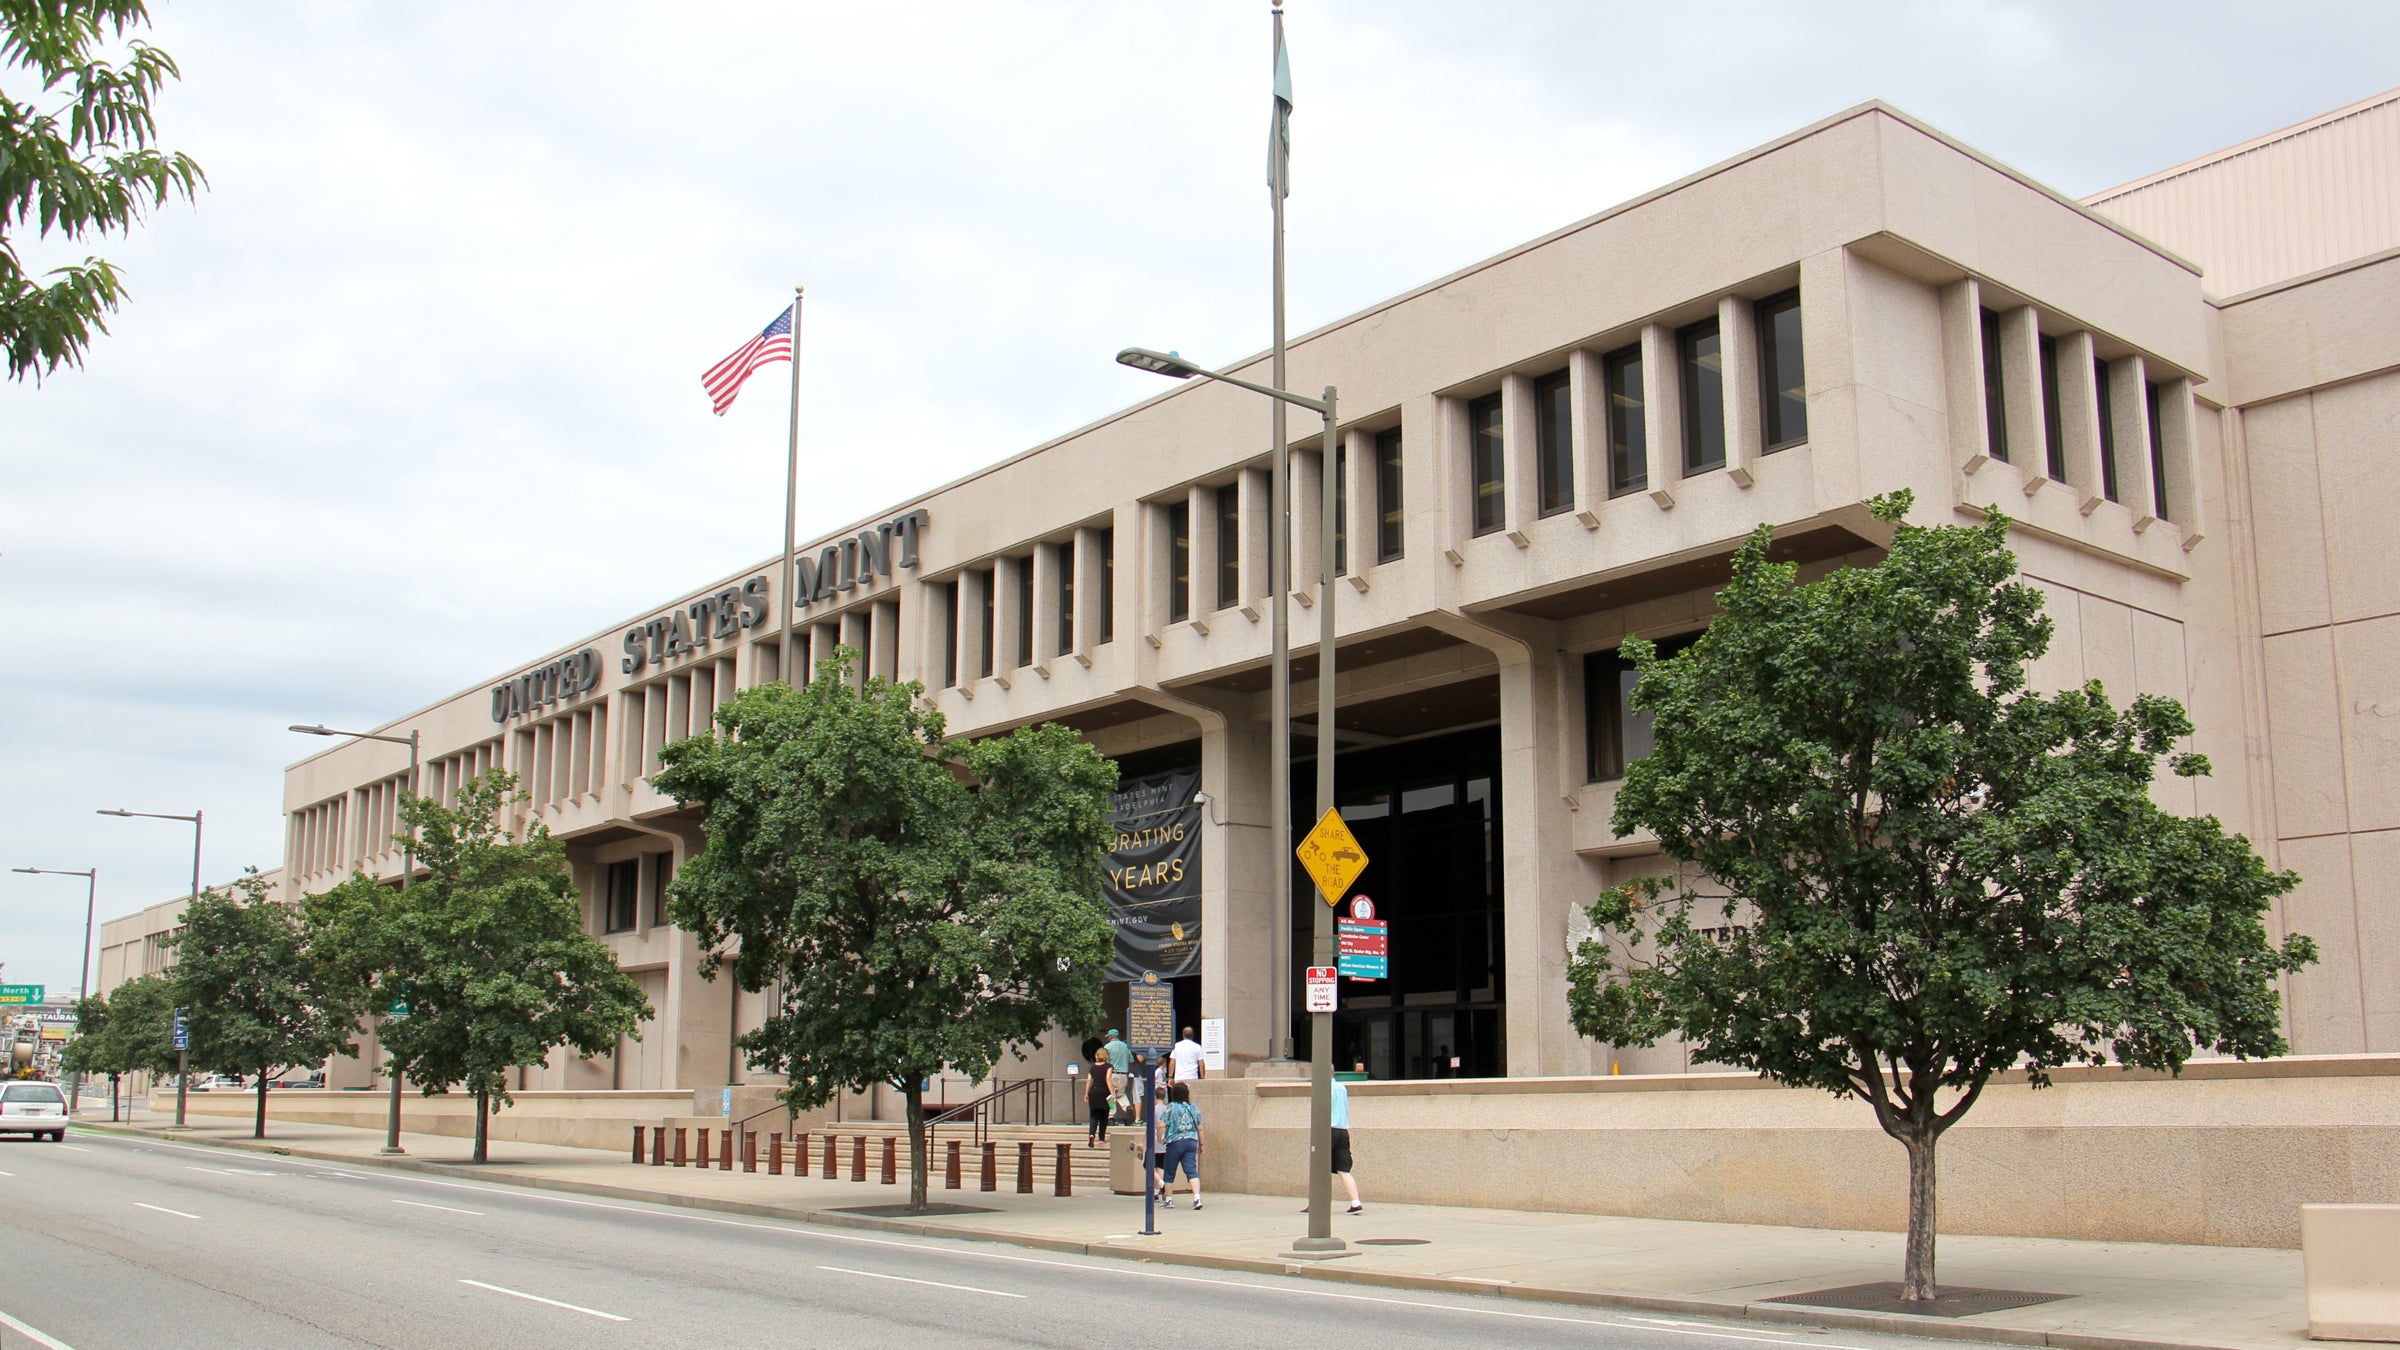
pixel 1125 1163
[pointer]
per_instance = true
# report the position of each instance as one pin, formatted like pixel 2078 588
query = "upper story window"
pixel 945 597
pixel 1023 567
pixel 990 618
pixel 1486 464
pixel 1628 442
pixel 1995 398
pixel 1341 508
pixel 621 907
pixel 1388 503
pixel 1229 545
pixel 1108 587
pixel 662 875
pixel 1703 372
pixel 1615 735
pixel 1554 444
pixel 2158 453
pixel 1179 562
pixel 1782 372
pixel 2108 429
pixel 1066 597
pixel 2053 419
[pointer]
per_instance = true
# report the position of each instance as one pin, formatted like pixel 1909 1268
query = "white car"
pixel 33 1108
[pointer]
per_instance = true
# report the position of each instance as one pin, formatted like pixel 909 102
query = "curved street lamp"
pixel 83 987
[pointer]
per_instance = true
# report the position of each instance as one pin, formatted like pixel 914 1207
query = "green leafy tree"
pixel 77 158
pixel 1926 874
pixel 488 948
pixel 919 905
pixel 255 999
pixel 132 1033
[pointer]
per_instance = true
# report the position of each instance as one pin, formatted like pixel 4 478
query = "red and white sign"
pixel 1321 989
pixel 1362 908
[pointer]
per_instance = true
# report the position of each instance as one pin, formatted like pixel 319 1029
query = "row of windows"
pixel 1226 507
pixel 2052 373
pixel 980 589
pixel 1700 389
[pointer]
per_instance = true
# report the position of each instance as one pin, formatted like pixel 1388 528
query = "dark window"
pixel 1628 441
pixel 1024 570
pixel 1341 508
pixel 1614 735
pixel 2053 421
pixel 1179 562
pixel 945 594
pixel 1995 399
pixel 1066 597
pixel 1782 371
pixel 1388 505
pixel 662 875
pixel 1703 397
pixel 2158 454
pixel 1554 443
pixel 1108 587
pixel 1229 545
pixel 1486 463
pixel 2108 430
pixel 991 618
pixel 624 896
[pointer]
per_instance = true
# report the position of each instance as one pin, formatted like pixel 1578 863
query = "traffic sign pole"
pixel 183 1065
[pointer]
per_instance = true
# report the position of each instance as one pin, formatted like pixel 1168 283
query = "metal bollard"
pixel 749 1150
pixel 725 1150
pixel 679 1132
pixel 1025 1168
pixel 858 1158
pixel 637 1143
pixel 1065 1183
pixel 658 1147
pixel 891 1159
pixel 991 1165
pixel 701 1162
pixel 950 1172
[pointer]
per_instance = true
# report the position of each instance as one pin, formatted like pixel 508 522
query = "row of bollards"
pixel 651 1144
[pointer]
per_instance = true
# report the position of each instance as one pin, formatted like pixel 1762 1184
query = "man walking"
pixel 1341 1140
pixel 1120 1063
pixel 1189 1060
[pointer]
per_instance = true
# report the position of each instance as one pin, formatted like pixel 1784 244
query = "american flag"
pixel 724 379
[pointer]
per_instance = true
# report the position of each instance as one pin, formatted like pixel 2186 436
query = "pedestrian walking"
pixel 1190 1062
pixel 1097 1099
pixel 1182 1133
pixel 1120 1063
pixel 1341 1140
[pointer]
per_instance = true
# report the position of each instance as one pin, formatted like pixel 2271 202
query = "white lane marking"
pixel 46 1342
pixel 72 1149
pixel 472 1213
pixel 935 1284
pixel 7 1174
pixel 537 1298
pixel 164 1210
pixel 1295 1291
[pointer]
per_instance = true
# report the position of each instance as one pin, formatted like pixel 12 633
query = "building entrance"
pixel 1427 813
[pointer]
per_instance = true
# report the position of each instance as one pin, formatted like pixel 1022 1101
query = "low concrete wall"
pixel 595 1120
pixel 2225 1155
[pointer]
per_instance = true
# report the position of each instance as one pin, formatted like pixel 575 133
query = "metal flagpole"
pixel 791 504
pixel 1279 697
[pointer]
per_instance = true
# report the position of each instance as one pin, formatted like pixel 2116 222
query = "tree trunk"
pixel 259 1131
pixel 483 1121
pixel 915 1091
pixel 1916 1273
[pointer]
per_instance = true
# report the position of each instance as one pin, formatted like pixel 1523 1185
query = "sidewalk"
pixel 2123 1295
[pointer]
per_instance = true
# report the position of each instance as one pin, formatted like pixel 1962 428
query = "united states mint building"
pixel 2185 391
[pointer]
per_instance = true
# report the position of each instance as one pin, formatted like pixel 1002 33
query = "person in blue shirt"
pixel 1341 1141
pixel 1181 1120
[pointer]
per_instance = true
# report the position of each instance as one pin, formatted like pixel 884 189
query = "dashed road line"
pixel 537 1298
pixel 934 1284
pixel 164 1210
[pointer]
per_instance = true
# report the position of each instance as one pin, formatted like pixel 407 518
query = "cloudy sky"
pixel 411 393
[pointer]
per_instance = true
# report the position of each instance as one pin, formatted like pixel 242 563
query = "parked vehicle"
pixel 38 1109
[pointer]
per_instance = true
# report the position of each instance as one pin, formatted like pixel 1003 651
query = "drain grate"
pixel 1884 1297
pixel 1391 1242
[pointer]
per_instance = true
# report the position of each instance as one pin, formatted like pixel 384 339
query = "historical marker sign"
pixel 1150 1015
pixel 1332 856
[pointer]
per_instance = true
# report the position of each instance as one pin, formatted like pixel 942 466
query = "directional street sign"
pixel 1365 948
pixel 399 1009
pixel 1332 856
pixel 183 1040
pixel 21 993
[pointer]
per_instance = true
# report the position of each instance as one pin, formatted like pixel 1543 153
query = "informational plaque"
pixel 1150 1015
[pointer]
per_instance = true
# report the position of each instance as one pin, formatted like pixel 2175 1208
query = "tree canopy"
pixel 488 949
pixel 78 158
pixel 131 1030
pixel 1926 874
pixel 916 905
pixel 255 998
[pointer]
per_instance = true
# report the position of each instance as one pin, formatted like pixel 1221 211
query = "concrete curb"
pixel 1783 1314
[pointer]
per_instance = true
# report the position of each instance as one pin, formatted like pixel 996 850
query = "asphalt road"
pixel 118 1242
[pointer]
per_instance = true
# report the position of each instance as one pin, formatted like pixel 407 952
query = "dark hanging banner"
pixel 1153 882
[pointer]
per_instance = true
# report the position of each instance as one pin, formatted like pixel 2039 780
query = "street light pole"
pixel 183 1054
pixel 1320 1237
pixel 83 973
pixel 408 870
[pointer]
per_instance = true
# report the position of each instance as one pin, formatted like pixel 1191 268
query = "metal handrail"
pixel 983 1108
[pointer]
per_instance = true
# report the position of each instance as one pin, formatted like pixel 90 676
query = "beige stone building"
pixel 2185 391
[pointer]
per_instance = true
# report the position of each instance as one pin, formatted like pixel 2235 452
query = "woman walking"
pixel 1182 1121
pixel 1098 1098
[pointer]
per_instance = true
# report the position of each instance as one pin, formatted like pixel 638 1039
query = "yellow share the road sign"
pixel 1332 856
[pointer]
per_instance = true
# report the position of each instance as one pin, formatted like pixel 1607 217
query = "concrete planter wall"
pixel 595 1120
